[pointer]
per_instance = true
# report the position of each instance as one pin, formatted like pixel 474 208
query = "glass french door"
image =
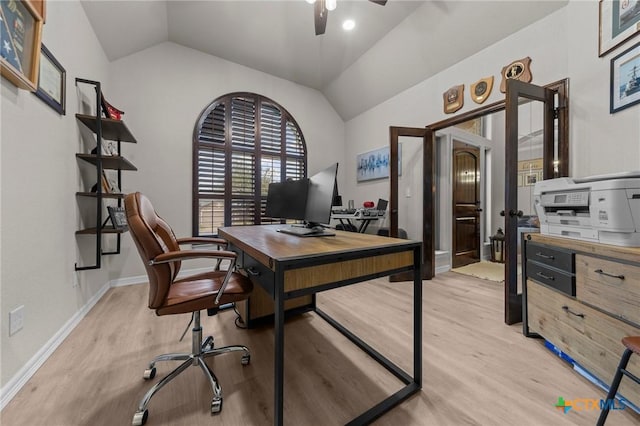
pixel 532 152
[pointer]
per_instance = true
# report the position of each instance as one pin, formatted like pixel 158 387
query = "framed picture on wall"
pixel 530 179
pixel 376 164
pixel 625 79
pixel 20 33
pixel 619 21
pixel 52 84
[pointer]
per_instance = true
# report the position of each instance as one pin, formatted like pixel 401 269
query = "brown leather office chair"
pixel 168 294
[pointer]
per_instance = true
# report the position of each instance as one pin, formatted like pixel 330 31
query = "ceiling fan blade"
pixel 320 13
pixel 380 2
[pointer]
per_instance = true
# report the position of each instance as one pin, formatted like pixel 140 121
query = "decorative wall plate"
pixel 516 70
pixel 481 89
pixel 453 99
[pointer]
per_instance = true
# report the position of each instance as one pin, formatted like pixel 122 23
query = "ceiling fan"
pixel 321 9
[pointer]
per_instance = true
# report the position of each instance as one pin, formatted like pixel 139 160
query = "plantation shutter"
pixel 243 142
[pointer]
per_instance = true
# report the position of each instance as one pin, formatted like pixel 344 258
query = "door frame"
pixel 428 252
pixel 560 87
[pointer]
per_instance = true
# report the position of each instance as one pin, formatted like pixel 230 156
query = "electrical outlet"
pixel 16 320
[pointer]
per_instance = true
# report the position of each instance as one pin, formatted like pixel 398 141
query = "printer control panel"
pixel 559 199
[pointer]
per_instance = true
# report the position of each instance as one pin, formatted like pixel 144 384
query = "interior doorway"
pixel 555 163
pixel 466 204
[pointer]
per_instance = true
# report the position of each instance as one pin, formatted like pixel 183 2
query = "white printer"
pixel 603 209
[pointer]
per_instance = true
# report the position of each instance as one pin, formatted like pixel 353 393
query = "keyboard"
pixel 305 232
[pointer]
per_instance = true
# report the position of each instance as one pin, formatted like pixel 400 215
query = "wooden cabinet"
pixel 586 324
pixel 104 187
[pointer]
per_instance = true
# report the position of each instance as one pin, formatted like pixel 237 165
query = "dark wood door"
pixel 466 204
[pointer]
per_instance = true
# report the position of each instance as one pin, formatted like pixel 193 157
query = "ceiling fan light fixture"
pixel 310 1
pixel 331 4
pixel 348 24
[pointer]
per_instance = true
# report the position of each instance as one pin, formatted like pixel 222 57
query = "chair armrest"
pixel 180 255
pixel 174 256
pixel 202 240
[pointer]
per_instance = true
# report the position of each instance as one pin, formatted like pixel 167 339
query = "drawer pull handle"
pixel 544 256
pixel 569 311
pixel 601 272
pixel 546 277
pixel 252 272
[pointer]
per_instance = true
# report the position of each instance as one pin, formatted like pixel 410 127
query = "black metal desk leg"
pixel 417 316
pixel 279 349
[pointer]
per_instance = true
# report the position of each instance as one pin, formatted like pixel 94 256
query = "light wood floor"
pixel 477 371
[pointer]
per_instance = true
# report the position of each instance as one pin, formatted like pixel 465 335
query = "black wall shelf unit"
pixel 112 130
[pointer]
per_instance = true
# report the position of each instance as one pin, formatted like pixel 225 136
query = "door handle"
pixel 513 213
pixel 502 213
pixel 478 209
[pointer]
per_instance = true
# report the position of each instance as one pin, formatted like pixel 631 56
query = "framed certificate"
pixel 52 81
pixel 21 31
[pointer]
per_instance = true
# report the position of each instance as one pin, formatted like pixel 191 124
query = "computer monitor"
pixel 320 196
pixel 288 199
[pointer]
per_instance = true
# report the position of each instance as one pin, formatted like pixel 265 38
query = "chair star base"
pixel 200 351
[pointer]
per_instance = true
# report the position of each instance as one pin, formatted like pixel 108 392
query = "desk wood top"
pixel 266 245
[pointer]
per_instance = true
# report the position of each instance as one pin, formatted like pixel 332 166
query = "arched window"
pixel 242 142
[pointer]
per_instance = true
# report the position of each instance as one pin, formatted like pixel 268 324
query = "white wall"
pixel 39 181
pixel 600 142
pixel 560 45
pixel 163 90
pixel 544 42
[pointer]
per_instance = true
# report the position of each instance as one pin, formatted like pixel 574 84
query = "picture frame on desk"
pixel 52 81
pixel 625 79
pixel 118 217
pixel 21 33
pixel 619 21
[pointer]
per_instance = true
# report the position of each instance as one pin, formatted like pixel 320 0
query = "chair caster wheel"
pixel 246 359
pixel 216 406
pixel 140 418
pixel 149 373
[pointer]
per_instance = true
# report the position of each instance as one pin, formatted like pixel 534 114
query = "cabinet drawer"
pixel 590 337
pixel 611 286
pixel 551 256
pixel 555 278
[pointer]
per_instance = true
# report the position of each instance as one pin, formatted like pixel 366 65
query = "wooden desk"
pixel 288 266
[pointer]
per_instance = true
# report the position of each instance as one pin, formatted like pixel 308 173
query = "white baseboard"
pixel 442 269
pixel 143 279
pixel 24 374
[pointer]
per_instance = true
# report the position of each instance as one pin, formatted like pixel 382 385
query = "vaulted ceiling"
pixel 392 47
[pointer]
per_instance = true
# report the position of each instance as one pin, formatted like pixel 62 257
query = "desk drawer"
pixel 551 256
pixel 611 286
pixel 259 274
pixel 590 337
pixel 555 278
